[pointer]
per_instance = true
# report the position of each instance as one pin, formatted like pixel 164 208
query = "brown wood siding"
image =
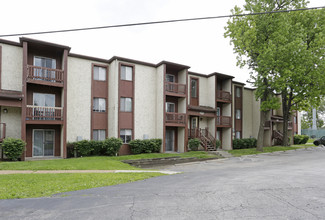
pixel 29 138
pixel 99 89
pixel 239 106
pixel 126 119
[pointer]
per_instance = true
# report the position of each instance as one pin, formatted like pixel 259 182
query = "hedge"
pixel 13 148
pixel 145 146
pixel 300 139
pixel 244 143
pixel 107 147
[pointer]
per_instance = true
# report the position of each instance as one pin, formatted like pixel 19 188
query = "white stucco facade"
pixel 113 81
pixel 144 98
pixel 13 121
pixel 12 67
pixel 79 98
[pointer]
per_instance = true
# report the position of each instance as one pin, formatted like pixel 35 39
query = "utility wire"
pixel 157 22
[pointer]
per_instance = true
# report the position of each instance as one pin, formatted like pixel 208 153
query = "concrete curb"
pixel 4 172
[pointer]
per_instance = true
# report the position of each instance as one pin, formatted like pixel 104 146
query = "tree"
pixel 285 52
pixel 307 116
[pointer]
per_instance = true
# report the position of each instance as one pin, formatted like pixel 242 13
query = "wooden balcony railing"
pixel 45 74
pixel 2 131
pixel 44 113
pixel 175 118
pixel 223 95
pixel 224 120
pixel 175 88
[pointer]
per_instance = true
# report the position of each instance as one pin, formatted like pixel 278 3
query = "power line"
pixel 157 22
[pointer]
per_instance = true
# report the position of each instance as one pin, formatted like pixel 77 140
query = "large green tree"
pixel 285 52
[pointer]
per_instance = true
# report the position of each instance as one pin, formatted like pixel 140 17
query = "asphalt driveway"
pixel 284 185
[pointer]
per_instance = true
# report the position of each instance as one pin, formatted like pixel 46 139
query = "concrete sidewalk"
pixel 83 171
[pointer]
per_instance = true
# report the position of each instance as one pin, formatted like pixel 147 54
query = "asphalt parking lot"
pixel 282 185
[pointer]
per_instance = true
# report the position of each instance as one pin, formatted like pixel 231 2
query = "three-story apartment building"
pixel 49 96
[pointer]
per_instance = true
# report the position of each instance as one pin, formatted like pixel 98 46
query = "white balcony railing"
pixel 44 113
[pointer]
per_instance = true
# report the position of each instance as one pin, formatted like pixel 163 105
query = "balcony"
pixel 224 121
pixel 175 119
pixel 2 131
pixel 42 113
pixel 175 89
pixel 223 96
pixel 46 76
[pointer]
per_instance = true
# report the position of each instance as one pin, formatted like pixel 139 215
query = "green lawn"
pixel 311 140
pixel 92 163
pixel 82 163
pixel 39 185
pixel 197 154
pixel 241 152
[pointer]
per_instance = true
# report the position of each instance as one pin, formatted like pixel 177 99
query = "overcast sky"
pixel 198 44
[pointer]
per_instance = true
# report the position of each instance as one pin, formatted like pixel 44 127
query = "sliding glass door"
pixel 43 142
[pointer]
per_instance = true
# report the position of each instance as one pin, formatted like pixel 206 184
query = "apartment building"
pixel 49 96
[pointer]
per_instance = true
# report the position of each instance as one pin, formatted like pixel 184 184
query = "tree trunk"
pixel 260 137
pixel 285 110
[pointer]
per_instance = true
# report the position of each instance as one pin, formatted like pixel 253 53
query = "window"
pixel 126 135
pixel 237 136
pixel 295 119
pixel 43 99
pixel 45 62
pixel 170 78
pixel 44 74
pixel 99 73
pixel 238 114
pixel 126 104
pixel 170 107
pixel 238 92
pixel 99 134
pixel 194 88
pixel 126 73
pixel 99 105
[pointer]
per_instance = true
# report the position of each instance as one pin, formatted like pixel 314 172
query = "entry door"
pixel 194 126
pixel 170 140
pixel 43 142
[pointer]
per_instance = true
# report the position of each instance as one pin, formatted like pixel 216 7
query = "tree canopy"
pixel 285 52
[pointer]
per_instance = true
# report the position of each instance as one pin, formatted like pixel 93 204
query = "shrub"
pixel 300 139
pixel 218 143
pixel 244 143
pixel 70 149
pixel 158 144
pixel 111 146
pixel 84 148
pixel 98 147
pixel 145 146
pixel 13 148
pixel 194 144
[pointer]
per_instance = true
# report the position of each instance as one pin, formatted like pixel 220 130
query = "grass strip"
pixel 93 163
pixel 250 151
pixel 17 186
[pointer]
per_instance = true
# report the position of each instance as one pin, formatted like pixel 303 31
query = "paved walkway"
pixel 84 171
